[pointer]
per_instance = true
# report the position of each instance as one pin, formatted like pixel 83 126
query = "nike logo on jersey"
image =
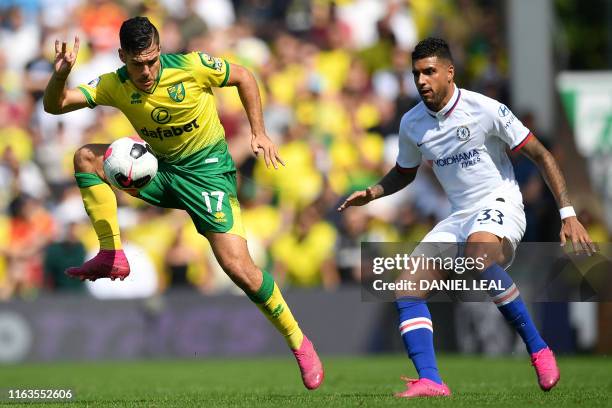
pixel 419 144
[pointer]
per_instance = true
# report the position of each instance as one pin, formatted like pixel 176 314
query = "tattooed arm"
pixel 571 228
pixel 395 180
pixel 549 169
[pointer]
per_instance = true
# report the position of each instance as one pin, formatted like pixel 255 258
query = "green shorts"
pixel 204 185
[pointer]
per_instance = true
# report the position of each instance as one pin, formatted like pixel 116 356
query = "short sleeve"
pixel 210 71
pixel 408 156
pixel 507 126
pixel 99 90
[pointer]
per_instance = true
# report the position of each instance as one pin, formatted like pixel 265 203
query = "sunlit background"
pixel 335 77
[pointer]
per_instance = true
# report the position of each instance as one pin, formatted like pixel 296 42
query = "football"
pixel 129 164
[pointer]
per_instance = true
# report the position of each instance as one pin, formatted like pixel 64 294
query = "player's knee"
pixel 473 250
pixel 481 253
pixel 84 159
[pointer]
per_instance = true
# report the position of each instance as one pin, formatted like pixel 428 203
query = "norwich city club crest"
pixel 177 92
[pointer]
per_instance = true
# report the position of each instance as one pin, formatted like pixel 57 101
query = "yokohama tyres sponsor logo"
pixel 172 131
pixel 468 158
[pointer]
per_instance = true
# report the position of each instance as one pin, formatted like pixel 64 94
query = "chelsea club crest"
pixel 463 133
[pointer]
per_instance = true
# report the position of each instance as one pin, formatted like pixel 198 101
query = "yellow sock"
pixel 101 206
pixel 270 301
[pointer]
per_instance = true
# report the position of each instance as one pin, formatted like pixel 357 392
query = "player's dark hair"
pixel 432 47
pixel 137 34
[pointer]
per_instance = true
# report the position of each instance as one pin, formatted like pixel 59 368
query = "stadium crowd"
pixel 335 78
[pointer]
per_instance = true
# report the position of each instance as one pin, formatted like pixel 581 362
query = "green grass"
pixel 350 382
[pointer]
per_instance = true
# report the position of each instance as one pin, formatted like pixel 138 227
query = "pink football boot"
pixel 310 365
pixel 546 368
pixel 423 387
pixel 108 263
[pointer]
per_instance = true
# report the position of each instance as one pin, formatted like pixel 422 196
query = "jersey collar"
pixel 448 108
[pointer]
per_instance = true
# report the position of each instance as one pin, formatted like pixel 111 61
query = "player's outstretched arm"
pixel 391 183
pixel 244 80
pixel 571 228
pixel 57 98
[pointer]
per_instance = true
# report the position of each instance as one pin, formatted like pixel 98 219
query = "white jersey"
pixel 466 144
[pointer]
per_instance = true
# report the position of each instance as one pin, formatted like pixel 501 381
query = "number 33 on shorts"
pixel 490 215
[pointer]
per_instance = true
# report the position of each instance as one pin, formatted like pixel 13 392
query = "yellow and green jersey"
pixel 178 117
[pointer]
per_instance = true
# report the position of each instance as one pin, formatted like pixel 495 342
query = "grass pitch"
pixel 273 382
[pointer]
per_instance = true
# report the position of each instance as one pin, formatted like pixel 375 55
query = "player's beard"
pixel 437 100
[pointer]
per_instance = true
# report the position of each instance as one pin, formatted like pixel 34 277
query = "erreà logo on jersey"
pixel 172 131
pixel 136 98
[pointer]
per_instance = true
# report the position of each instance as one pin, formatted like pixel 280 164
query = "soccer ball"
pixel 129 164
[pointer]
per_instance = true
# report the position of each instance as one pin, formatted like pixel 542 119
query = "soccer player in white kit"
pixel 465 135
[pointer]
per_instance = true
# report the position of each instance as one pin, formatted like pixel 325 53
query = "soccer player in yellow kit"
pixel 168 99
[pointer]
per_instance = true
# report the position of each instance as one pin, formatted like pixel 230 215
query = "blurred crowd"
pixel 335 78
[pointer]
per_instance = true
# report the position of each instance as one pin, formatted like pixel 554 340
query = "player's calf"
pixel 242 272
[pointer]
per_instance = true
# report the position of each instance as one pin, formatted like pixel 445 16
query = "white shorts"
pixel 497 215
